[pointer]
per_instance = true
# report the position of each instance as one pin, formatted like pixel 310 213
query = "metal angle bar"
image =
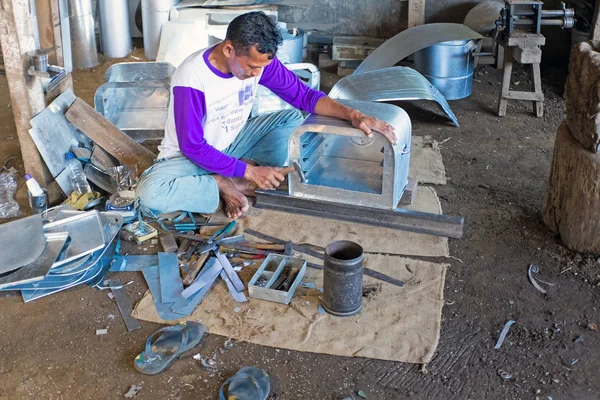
pixel 401 219
pixel 233 276
pixel 124 305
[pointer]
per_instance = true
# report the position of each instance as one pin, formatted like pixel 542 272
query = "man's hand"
pixel 264 177
pixel 331 108
pixel 369 124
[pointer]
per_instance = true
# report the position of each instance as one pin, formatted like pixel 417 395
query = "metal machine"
pixel 355 178
pixel 519 33
pixel 523 16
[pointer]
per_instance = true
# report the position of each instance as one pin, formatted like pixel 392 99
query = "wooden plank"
pixel 416 12
pixel 189 274
pixel 57 28
pixel 26 92
pixel 109 137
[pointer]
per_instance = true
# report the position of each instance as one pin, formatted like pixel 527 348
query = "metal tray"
pixel 24 238
pixel 270 270
pixel 39 268
pixel 85 231
pixel 54 283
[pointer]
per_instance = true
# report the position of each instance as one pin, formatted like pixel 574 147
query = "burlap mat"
pixel 398 324
pixel 426 161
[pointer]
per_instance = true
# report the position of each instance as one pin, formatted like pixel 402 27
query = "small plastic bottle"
pixel 34 187
pixel 38 199
pixel 80 183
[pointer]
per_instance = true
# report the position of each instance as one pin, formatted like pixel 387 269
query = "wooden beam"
pixel 26 93
pixel 109 137
pixel 595 31
pixel 45 27
pixel 416 12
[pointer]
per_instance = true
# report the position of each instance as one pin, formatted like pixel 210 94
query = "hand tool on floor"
pixel 189 274
pixel 316 254
pixel 213 241
pixel 231 274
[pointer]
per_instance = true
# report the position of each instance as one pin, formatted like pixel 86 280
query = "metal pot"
pixel 449 67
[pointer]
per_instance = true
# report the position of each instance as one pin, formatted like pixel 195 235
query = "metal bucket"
pixel 343 278
pixel 449 67
pixel 290 51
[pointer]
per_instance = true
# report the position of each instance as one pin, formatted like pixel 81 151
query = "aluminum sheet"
pixel 85 231
pixel 139 71
pixel 99 178
pixel 53 135
pixel 91 274
pixel 412 40
pixel 92 270
pixel 39 268
pixel 22 241
pixel 390 84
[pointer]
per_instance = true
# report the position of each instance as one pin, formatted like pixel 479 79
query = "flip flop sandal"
pixel 249 383
pixel 170 343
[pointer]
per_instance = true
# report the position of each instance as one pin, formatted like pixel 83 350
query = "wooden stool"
pixel 525 49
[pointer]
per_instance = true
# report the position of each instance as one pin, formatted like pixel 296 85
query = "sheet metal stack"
pixel 46 258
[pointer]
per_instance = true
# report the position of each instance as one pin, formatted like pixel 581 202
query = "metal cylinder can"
pixel 114 28
pixel 154 14
pixel 343 278
pixel 83 35
pixel 38 204
pixel 449 67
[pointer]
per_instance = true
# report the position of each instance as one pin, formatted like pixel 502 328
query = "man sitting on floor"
pixel 211 150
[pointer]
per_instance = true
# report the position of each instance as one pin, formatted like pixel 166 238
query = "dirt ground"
pixel 497 170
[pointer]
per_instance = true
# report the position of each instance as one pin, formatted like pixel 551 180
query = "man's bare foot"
pixel 244 186
pixel 235 202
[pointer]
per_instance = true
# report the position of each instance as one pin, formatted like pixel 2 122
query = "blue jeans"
pixel 177 184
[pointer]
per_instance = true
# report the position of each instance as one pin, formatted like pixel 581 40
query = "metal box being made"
pixel 343 165
pixel 135 98
pixel 274 269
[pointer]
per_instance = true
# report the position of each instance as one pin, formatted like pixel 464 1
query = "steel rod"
pixel 401 219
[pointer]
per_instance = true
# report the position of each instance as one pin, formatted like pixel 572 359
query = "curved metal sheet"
pixel 22 242
pixel 390 84
pixel 139 71
pixel 412 40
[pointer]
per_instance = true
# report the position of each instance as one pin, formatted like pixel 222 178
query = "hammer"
pixel 295 167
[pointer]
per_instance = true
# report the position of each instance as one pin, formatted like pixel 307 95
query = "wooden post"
pixel 26 93
pixel 45 27
pixel 416 12
pixel 595 31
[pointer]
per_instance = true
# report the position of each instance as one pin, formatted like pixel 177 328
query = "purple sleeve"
pixel 285 84
pixel 189 109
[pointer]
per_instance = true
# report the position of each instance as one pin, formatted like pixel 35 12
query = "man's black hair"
pixel 254 29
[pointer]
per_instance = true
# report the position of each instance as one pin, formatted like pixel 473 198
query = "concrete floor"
pixel 497 169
